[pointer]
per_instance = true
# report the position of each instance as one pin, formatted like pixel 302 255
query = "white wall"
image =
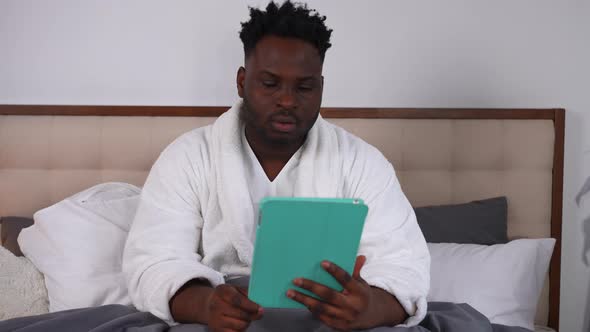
pixel 456 53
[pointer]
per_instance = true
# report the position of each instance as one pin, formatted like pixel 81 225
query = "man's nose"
pixel 287 98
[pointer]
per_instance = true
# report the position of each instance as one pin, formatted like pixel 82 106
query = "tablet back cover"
pixel 294 236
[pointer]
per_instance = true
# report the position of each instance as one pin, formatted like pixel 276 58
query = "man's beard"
pixel 253 122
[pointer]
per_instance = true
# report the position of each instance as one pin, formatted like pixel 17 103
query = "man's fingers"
pixel 340 275
pixel 316 306
pixel 358 265
pixel 243 290
pixel 238 313
pixel 232 296
pixel 327 294
pixel 258 314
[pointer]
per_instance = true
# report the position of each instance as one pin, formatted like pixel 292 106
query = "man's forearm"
pixel 189 304
pixel 387 309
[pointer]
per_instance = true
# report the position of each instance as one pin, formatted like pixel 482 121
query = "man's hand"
pixel 223 308
pixel 229 309
pixel 358 306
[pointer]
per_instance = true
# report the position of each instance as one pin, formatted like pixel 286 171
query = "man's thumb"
pixel 358 265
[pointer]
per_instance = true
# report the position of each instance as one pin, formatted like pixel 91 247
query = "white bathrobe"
pixel 196 217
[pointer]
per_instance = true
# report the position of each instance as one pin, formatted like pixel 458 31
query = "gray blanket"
pixel 442 316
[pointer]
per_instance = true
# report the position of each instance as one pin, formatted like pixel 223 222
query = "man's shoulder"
pixel 192 143
pixel 363 163
pixel 192 139
pixel 352 143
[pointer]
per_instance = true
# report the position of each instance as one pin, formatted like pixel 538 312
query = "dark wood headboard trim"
pixel 329 112
pixel 556 218
pixel 557 115
pixel 103 110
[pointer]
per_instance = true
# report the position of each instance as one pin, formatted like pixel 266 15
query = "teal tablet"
pixel 293 237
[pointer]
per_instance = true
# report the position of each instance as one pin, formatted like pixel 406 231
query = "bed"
pixel 441 156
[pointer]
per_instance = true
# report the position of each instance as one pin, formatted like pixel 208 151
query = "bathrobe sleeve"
pixel 398 260
pixel 161 251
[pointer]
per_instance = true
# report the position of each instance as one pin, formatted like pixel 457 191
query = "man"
pixel 194 228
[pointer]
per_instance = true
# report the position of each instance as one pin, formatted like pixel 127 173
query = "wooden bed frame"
pixel 555 115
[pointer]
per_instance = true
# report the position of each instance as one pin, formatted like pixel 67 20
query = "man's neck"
pixel 266 151
pixel 272 157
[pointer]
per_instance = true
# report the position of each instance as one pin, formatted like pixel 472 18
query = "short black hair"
pixel 291 20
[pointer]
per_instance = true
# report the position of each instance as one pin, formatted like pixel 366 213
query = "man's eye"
pixel 305 88
pixel 269 84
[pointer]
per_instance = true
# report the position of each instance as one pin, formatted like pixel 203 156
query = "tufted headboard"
pixel 441 156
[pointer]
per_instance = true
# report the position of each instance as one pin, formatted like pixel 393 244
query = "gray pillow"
pixel 478 222
pixel 10 229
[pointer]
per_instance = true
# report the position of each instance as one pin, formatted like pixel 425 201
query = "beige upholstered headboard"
pixel 441 156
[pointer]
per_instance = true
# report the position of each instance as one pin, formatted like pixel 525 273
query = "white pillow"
pixel 78 246
pixel 501 281
pixel 22 288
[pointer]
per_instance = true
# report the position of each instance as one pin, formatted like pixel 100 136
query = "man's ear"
pixel 240 78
